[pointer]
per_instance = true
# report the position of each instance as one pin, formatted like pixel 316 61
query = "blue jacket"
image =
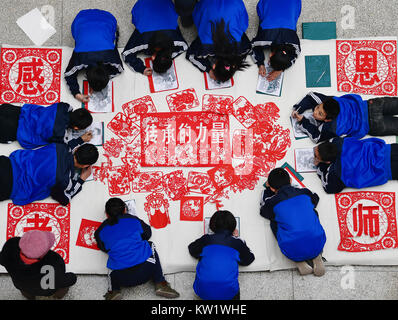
pixel 299 232
pixel 361 163
pixel 278 25
pixel 125 241
pixel 38 126
pixel 149 17
pixel 217 271
pixel 42 172
pixel 207 11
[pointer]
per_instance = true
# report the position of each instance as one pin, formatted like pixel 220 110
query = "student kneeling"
pixel 294 222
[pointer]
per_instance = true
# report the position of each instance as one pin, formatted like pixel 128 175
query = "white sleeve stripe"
pixel 196 63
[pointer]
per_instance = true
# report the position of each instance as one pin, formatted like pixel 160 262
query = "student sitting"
pixel 156 34
pixel 222 44
pixel 277 31
pixel 294 222
pixel 132 258
pixel 30 175
pixel 220 255
pixel 347 115
pixel 352 163
pixel 34 126
pixel 96 36
pixel 28 260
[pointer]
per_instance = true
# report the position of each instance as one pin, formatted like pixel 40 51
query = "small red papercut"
pixel 191 209
pixel 182 100
pixel 85 237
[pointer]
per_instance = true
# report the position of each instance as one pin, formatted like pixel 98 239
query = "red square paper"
pixel 366 220
pixel 367 66
pixel 86 237
pixel 30 75
pixel 191 209
pixel 41 216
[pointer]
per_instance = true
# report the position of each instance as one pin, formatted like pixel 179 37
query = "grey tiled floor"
pixel 372 18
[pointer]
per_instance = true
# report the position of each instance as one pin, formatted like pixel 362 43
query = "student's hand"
pixel 316 161
pixel 297 116
pixel 86 172
pixel 273 75
pixel 235 233
pixel 148 72
pixel 87 136
pixel 262 71
pixel 82 98
pixel 212 75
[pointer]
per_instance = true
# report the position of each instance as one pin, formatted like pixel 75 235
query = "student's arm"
pixel 74 143
pixel 309 102
pixel 317 133
pixel 146 230
pixel 246 257
pixel 134 46
pixel 179 44
pixel 71 73
pixel 100 243
pixel 258 55
pixel 203 64
pixel 266 204
pixel 314 197
pixel 65 195
pixel 196 247
pixel 331 182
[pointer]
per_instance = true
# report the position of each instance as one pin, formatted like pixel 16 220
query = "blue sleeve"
pixel 134 46
pixel 71 73
pixel 267 205
pixel 246 257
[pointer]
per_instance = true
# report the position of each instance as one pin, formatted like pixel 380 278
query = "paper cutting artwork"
pixel 157 208
pixel 244 112
pixel 367 221
pixel 159 82
pixel 218 103
pixel 41 216
pixel 147 182
pixel 367 67
pixel 119 181
pixel 85 237
pixel 30 75
pixel 134 109
pixel 183 100
pixel 191 209
pixel 123 127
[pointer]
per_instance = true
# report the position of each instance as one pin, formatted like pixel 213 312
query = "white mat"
pixel 173 240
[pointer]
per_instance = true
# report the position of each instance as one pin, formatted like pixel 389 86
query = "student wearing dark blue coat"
pixel 294 221
pixel 277 31
pixel 96 36
pixel 156 34
pixel 34 126
pixel 349 115
pixel 31 175
pixel 220 255
pixel 132 259
pixel 222 44
pixel 352 163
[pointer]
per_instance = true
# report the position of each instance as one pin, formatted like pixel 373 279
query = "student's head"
pixel 80 119
pixel 280 58
pixel 227 57
pixel 327 111
pixel 278 178
pixel 35 244
pixel 326 152
pixel 222 220
pixel 115 207
pixel 86 155
pixel 97 77
pixel 161 47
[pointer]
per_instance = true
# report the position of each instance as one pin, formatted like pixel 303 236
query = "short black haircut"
pixel 114 207
pixel 98 77
pixel 281 58
pixel 161 44
pixel 222 220
pixel 80 118
pixel 278 178
pixel 328 151
pixel 86 154
pixel 332 108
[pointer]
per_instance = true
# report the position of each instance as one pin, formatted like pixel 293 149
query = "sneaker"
pixel 304 268
pixel 319 268
pixel 113 295
pixel 163 289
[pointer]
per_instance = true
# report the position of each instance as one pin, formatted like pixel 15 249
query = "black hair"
pixel 278 178
pixel 80 118
pixel 328 151
pixel 97 77
pixel 162 45
pixel 332 108
pixel 114 207
pixel 228 59
pixel 222 220
pixel 282 56
pixel 86 154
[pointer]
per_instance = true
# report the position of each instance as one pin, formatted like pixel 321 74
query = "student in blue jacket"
pixel 349 115
pixel 156 34
pixel 352 163
pixel 277 31
pixel 220 255
pixel 96 35
pixel 34 126
pixel 222 44
pixel 132 258
pixel 31 175
pixel 294 222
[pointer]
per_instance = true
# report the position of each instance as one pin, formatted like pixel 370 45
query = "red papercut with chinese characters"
pixel 367 221
pixel 367 66
pixel 191 209
pixel 41 216
pixel 157 208
pixel 30 75
pixel 86 237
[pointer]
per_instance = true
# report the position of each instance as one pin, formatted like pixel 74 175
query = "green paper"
pixel 317 71
pixel 319 30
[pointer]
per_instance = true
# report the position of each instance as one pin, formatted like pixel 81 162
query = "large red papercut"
pixel 157 208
